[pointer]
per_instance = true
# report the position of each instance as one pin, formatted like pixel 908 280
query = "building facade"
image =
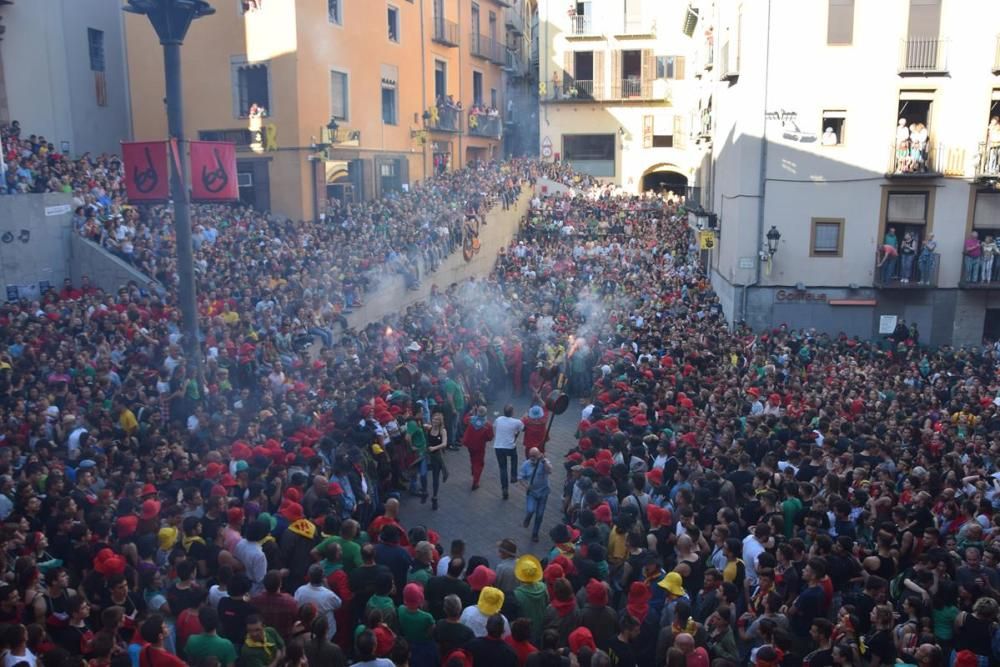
pixel 839 127
pixel 615 91
pixel 62 73
pixel 334 98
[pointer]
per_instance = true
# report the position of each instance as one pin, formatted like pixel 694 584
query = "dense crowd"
pixel 731 497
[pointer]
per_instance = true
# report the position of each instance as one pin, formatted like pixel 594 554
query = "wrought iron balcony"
pixel 448 120
pixel 445 32
pixel 923 57
pixel 483 125
pixel 923 274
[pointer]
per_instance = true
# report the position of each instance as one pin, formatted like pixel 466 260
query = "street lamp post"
pixel 171 20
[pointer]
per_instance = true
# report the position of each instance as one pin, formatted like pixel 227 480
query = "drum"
pixel 557 402
pixel 407 374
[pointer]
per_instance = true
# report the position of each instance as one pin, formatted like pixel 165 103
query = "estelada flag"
pixel 213 171
pixel 146 170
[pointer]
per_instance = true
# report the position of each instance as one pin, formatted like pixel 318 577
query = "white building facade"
pixel 614 91
pixel 62 73
pixel 847 125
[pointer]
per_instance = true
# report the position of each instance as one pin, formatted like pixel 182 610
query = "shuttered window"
pixel 987 214
pixel 907 208
pixel 840 22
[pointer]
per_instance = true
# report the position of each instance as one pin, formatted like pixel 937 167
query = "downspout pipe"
pixel 762 167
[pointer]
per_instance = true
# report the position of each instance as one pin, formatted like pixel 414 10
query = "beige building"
pixel 333 98
pixel 615 88
pixel 846 125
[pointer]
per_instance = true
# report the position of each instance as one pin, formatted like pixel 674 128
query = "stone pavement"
pixel 482 517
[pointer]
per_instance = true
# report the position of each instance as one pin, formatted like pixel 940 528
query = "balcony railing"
pixel 581 25
pixel 907 160
pixel 448 119
pixel 920 273
pixel 514 22
pixel 240 136
pixel 512 61
pixel 632 89
pixel 445 32
pixel 571 90
pixel 977 274
pixel 487 49
pixel 923 56
pixel 729 55
pixel 988 165
pixel 483 125
pixel 996 56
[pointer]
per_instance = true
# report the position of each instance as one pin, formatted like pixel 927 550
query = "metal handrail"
pixel 923 55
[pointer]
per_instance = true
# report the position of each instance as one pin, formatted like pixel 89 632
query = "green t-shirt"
pixel 417 437
pixel 790 508
pixel 350 552
pixel 454 390
pixel 415 626
pixel 210 646
pixel 261 656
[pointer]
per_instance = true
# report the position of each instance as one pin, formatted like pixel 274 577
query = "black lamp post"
pixel 171 20
pixel 773 236
pixel 318 155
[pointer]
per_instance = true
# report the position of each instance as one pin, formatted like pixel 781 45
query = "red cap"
pixel 150 509
pixel 235 515
pixel 148 490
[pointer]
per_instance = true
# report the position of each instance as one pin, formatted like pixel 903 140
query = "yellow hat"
pixel 167 538
pixel 490 600
pixel 672 583
pixel 528 569
pixel 377 450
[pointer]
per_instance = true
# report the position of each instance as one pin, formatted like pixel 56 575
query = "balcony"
pixel 572 90
pixel 512 62
pixel 514 22
pixel 988 164
pixel 921 275
pixel 979 276
pixel 905 161
pixel 241 136
pixel 923 57
pixel 483 125
pixel 449 119
pixel 487 49
pixel 729 57
pixel 445 32
pixel 582 27
pixel 996 56
pixel 636 29
pixel 632 89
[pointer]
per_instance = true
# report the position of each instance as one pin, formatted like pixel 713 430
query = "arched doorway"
pixel 665 179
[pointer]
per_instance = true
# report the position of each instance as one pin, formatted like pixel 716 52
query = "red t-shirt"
pixel 523 649
pixel 156 657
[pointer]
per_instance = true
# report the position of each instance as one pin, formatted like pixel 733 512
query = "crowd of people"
pixel 731 497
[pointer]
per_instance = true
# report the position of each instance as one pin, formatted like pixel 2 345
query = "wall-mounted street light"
pixel 773 236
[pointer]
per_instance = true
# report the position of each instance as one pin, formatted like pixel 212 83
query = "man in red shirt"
pixel 534 429
pixel 154 631
pixel 277 609
pixel 478 433
pixel 694 656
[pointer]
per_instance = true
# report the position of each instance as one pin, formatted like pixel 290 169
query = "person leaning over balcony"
pixel 887 255
pixel 989 252
pixel 925 261
pixel 972 253
pixel 890 260
pixel 908 252
pixel 993 145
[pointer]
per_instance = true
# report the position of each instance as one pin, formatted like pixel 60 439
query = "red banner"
pixel 146 171
pixel 213 171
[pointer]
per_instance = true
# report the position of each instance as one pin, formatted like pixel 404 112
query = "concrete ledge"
pixel 104 269
pixel 391 295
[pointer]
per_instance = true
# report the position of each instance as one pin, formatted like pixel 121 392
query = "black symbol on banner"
pixel 24 236
pixel 215 181
pixel 147 179
pixel 8 237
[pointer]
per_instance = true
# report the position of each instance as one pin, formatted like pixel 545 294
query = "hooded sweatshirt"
pixel 296 545
pixel 532 599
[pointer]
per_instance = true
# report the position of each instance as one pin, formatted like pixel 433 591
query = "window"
pixel 925 19
pixel 592 154
pixel 244 179
pixel 95 46
pixel 493 98
pixel 827 238
pixel 907 208
pixel 390 114
pixel 333 10
pixel 669 67
pixel 477 88
pixel 252 87
pixel 475 19
pixel 493 26
pixel 663 141
pixel 393 18
pixel 440 80
pixel 840 22
pixel 338 95
pixel 834 124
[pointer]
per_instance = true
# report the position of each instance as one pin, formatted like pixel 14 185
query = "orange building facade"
pixel 346 99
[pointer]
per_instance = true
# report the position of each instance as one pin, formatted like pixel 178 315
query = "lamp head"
pixel 773 236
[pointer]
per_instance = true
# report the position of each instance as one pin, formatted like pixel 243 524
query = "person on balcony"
pixel 902 147
pixel 887 256
pixel 890 260
pixel 972 254
pixel 993 145
pixel 907 252
pixel 918 147
pixel 989 252
pixel 925 262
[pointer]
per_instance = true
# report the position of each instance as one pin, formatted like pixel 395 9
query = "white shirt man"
pixel 315 592
pixel 506 430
